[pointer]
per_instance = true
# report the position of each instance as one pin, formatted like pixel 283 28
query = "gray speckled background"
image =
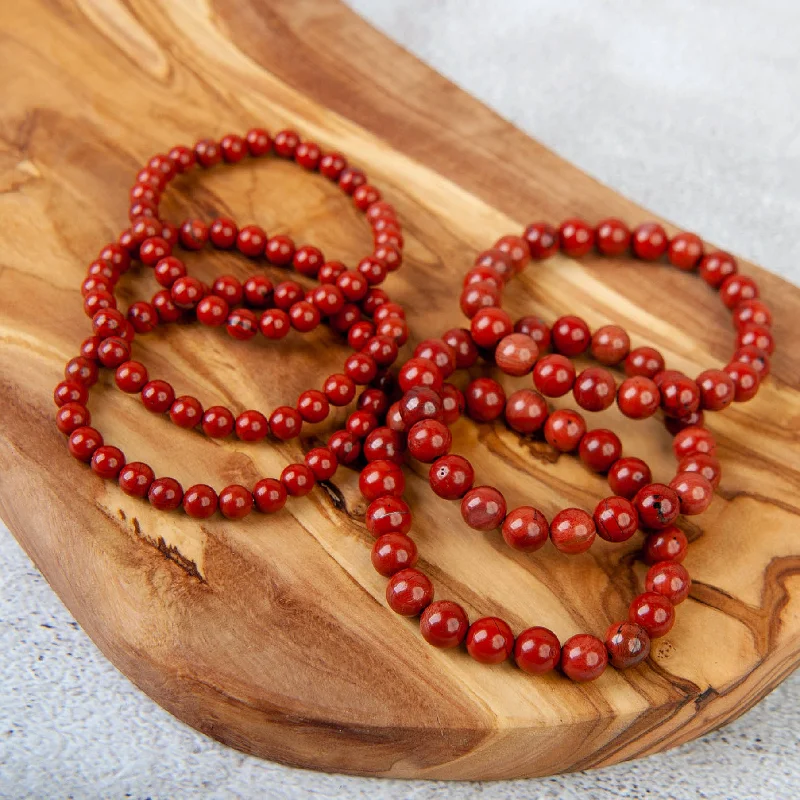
pixel 691 108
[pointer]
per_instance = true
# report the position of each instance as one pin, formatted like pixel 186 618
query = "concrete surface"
pixel 688 107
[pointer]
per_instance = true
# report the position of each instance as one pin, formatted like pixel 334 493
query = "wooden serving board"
pixel 273 635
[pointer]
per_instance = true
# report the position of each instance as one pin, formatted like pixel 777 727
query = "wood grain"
pixel 272 635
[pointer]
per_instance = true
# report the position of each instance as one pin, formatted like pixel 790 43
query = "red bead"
pixel 479 297
pixel 644 361
pixel 564 430
pixel 694 492
pixel 274 323
pixel 251 241
pixel 339 389
pixel 223 233
pixel 600 449
pixel 409 592
pixel 322 463
pixel 135 479
pixel 657 505
pixel 212 311
pixel 554 375
pixel 344 446
pixel 361 423
pixel 331 165
pixel 670 544
pixel 350 179
pixel 393 552
pixel 158 396
pixel 499 261
pixel 108 322
pixel 516 248
pixel 627 476
pixel 89 347
pixel 526 411
pixel 680 395
pixel 235 502
pixel 165 494
pixel 627 643
pixel 285 423
pixel 116 255
pixel 525 528
pixel 142 316
pixel 572 531
pixel 669 579
pixel 483 274
pixel 308 155
pixel 594 389
pixel 737 288
pixel 613 237
pixel 313 406
pixel 304 316
pixel 285 143
pixel 83 370
pixel 186 411
pixel 388 514
pixel 610 345
pixel 483 508
pixel 706 465
pixel 229 289
pixel 428 440
pixel 279 250
pixel 207 153
pixel 758 359
pixel 583 658
pixel 444 624
pixel 200 501
pixel 193 234
pixel 745 379
pixel 186 292
pixel 287 294
pixel 570 336
pixel 131 376
pixel 490 640
pixel 71 416
pixel 453 403
pixel 107 462
pixel 258 142
pixel 70 392
pixel 463 346
pixel 752 311
pixel 615 519
pixel 83 442
pixel 361 368
pixel 576 238
pixel 167 310
pixel 692 440
pixel 537 651
pixel 542 240
pixel 516 354
pixel 420 372
pixel 716 267
pixel 269 495
pixel 380 478
pixel 218 422
pixel 375 401
pixel 451 477
pixel 536 328
pixel 685 251
pixel 242 324
pixel 638 397
pixel 384 444
pixel 113 351
pixel 753 335
pixel 153 250
pixel 440 353
pixel 485 399
pixel 307 260
pixel 654 613
pixel 251 426
pixel 716 389
pixel 649 241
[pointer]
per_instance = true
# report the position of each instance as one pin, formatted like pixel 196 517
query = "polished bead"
pixel 269 495
pixel 440 353
pixel 628 475
pixel 537 651
pixel 485 399
pixel 350 179
pixel 113 351
pixel 420 403
pixel 570 336
pixel 613 237
pixel 670 544
pixel 344 446
pixel 285 423
pixel 70 392
pixel 285 143
pixel 374 401
pixel 116 255
pixel 258 142
pixel 308 155
pixel 193 234
pixel 153 250
pixel 692 440
pixel 694 492
pixel 758 359
pixel 716 389
pixel 649 241
pixel 754 335
pixel 483 508
pixel 274 323
pixel 279 250
pixel 594 389
pixel 218 422
pixel 572 531
pixel 653 612
pixel 158 396
pixel 610 345
pixel 71 416
pixel 616 519
pixel 627 643
pixel 242 324
pixel 165 494
pixel 393 552
pixel 108 322
pixel 564 430
pixel 489 326
pixel 716 267
pixel 536 328
pixel 526 411
pixel 737 288
pixel 490 640
pixel 745 379
pixel 212 311
pixel 453 403
pixel 384 444
pixel 388 514
pixel 497 260
pixel 89 347
pixel 752 311
pixel 167 310
pixel 251 426
pixel 313 406
pixel 229 288
pixel 361 333
pixel 235 502
pixel 135 479
pixel 554 375
pixel 657 505
pixel 84 370
pixel 131 376
pixel 676 424
pixel 200 501
pixel 451 477
pixel 576 238
pixel 707 466
pixel 339 389
pixel 516 248
pixel 644 361
pixel 420 372
pixel 361 423
pixel 680 395
pixel 307 260
pixel 685 251
pixel 542 240
pixel 638 397
pixel 526 529
pixel 428 440
pixel 251 241
pixel 107 462
pixel 583 658
pixel 444 624
pixel 516 354
pixel 463 346
pixel 142 316
pixel 207 153
pixel 186 411
pixel 223 232
pixel 409 592
pixel 303 316
pixel 83 442
pixel 599 449
pixel 380 478
pixel 186 292
pixel 669 579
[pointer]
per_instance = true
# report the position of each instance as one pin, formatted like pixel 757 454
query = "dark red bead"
pixel 135 479
pixel 657 506
pixel 669 579
pixel 285 143
pixel 384 444
pixel 218 422
pixel 754 335
pixel 600 449
pixel 279 250
pixel 610 345
pixel 489 326
pixel 485 399
pixel 526 411
pixel 83 442
pixel 707 466
pixel 393 552
pixel 525 528
pixel 409 592
pixel 428 440
pixel 193 234
pixel 285 423
pixel 453 403
pixel 477 297
pixel 71 416
pixel 108 322
pixel 70 392
pixel 516 248
pixel 594 389
pixel 649 241
pixel 627 643
pixel 339 389
pixel 554 375
pixel 752 311
pixel 235 501
pixel 537 651
pixel 444 624
pixel 207 153
pixel 616 519
pixel 252 426
pixel 644 361
pixel 572 531
pixel 186 292
pixel 158 396
pixel 308 155
pixel 274 323
pixel 670 544
pixel 186 411
pixel 251 241
pixel 361 368
pixel 258 142
pixel 242 324
pixel 223 233
pixel 564 430
pixel 269 495
pixel 420 372
pixel 583 658
pixel 463 346
pixel 570 336
pixel 627 476
pixel 716 389
pixel 344 446
pixel 388 514
pixel 165 494
pixel 542 240
pixel 536 328
pixel 84 370
pixel 638 397
pixel 483 508
pixel 361 423
pixel 758 359
pixel 107 462
pixel 212 311
pixel 576 238
pixel 451 477
pixel 200 501
pixel 131 376
pixel 113 351
pixel 737 288
pixel 313 406
pixel 613 237
pixel 490 640
pixel 307 260
pixel 350 179
pixel 694 491
pixel 653 612
pixel 499 261
pixel 680 395
pixel 685 251
pixel 516 354
pixel 142 316
pixel 380 478
pixel 745 379
pixel 322 463
pixel 716 267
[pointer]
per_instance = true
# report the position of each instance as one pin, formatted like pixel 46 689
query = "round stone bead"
pixel 526 529
pixel 653 612
pixel 444 624
pixel 388 514
pixel 71 416
pixel 645 361
pixel 420 403
pixel 380 478
pixel 691 440
pixel 627 643
pixel 669 579
pixel 649 241
pixel 483 508
pixel 572 531
pixel 165 494
pixel 440 353
pixel 564 430
pixel 685 251
pixel 463 346
pixel 670 544
pixel 613 237
pixel 600 449
pixel 384 444
pixel 135 479
pixel 489 326
pixel 594 389
pixel 516 354
pixel 694 492
pixel 680 395
pixel 628 475
pixel 409 592
pixel 615 519
pixel 526 411
pixel 322 462
pixel 576 238
pixel 542 240
pixel 610 345
pixel 536 328
pixel 453 403
pixel 490 640
pixel 752 311
pixel 638 397
pixel 235 501
pixel 428 440
pixel 745 378
pixel 200 501
pixel 570 336
pixel 269 495
pixel 451 477
pixel 716 389
pixel 108 461
pixel 420 372
pixel 537 651
pixel 707 466
pixel 393 552
pixel 758 359
pixel 716 267
pixel 583 658
pixel 736 289
pixel 83 442
pixel 657 506
pixel 485 399
pixel 554 375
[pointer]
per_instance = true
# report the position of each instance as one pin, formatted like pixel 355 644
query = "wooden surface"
pixel 272 635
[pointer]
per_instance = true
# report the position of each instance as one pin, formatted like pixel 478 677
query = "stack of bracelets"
pixel 409 413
